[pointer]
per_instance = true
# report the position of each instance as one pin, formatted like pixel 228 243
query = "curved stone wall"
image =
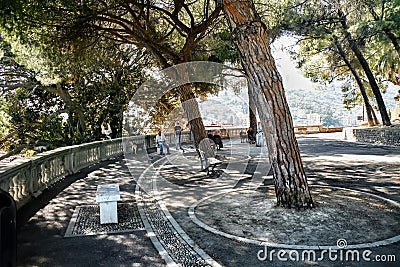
pixel 28 177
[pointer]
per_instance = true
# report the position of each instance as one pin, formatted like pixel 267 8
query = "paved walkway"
pixel 161 226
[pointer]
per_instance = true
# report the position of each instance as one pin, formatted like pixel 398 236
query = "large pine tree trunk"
pixel 180 74
pixel 192 111
pixel 251 39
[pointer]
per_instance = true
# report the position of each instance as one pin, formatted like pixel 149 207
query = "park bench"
pixel 208 164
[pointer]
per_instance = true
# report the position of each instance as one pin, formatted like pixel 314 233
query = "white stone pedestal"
pixel 107 196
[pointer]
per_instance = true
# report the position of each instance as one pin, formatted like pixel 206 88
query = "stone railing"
pixel 28 177
pixel 186 137
pixel 309 129
pixel 375 135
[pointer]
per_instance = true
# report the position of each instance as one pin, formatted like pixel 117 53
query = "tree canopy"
pixel 353 41
pixel 73 65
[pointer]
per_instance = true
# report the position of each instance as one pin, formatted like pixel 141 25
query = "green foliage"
pixel 273 14
pixel 4 118
pixel 351 96
pixel 318 24
pixel 66 98
pixel 68 43
pixel 222 48
pixel 31 112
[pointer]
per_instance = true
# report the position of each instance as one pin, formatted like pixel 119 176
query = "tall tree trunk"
pixel 368 106
pixel 97 129
pixel 367 70
pixel 192 111
pixel 376 121
pixel 251 38
pixel 179 75
pixel 116 126
pixel 73 107
pixel 252 107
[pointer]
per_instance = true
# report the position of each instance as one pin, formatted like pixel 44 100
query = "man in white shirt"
pixel 160 140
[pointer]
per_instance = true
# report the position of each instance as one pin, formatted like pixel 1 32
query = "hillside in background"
pixel 308 103
pixel 308 107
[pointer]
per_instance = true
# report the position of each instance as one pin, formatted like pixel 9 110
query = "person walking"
pixel 161 142
pixel 243 136
pixel 178 131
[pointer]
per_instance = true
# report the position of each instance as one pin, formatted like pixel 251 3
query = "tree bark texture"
pixel 192 111
pixel 179 75
pixel 251 38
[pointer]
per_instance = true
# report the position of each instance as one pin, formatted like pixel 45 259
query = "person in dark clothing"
pixel 178 131
pixel 250 136
pixel 216 138
pixel 243 136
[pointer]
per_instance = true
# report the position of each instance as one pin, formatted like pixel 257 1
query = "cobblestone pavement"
pixel 170 190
